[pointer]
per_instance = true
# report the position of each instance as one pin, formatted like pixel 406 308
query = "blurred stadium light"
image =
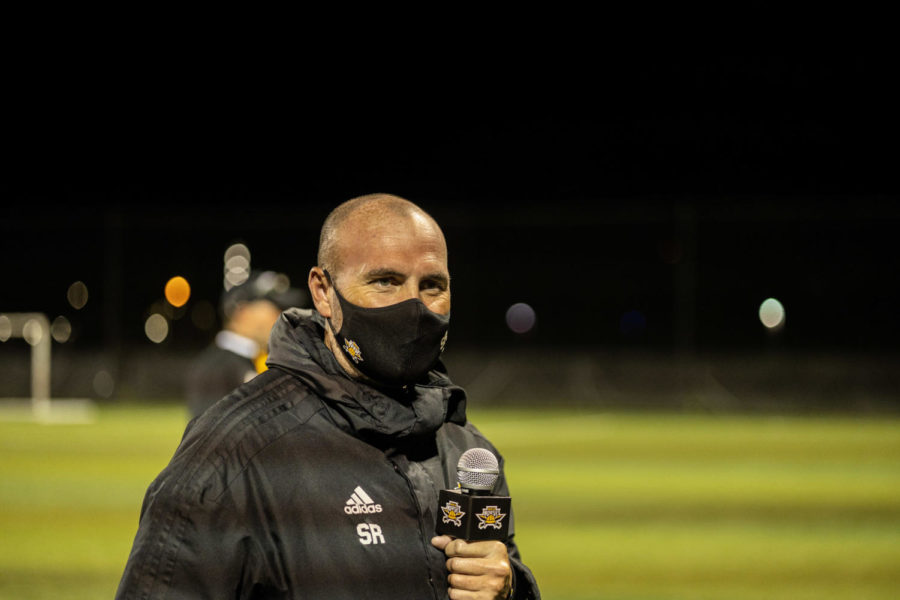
pixel 771 314
pixel 61 329
pixel 177 291
pixel 156 327
pixel 77 295
pixel 237 265
pixel 520 317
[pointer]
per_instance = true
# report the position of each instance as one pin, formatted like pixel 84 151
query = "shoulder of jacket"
pixel 466 436
pixel 218 445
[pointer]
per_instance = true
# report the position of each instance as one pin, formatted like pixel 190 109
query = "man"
pixel 320 477
pixel 237 354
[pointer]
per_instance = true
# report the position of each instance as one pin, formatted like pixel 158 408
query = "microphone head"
pixel 478 470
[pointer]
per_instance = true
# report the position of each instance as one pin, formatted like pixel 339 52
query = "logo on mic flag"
pixel 490 516
pixel 452 513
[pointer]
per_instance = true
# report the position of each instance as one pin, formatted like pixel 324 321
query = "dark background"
pixel 681 193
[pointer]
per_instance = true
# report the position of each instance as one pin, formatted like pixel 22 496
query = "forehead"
pixel 400 242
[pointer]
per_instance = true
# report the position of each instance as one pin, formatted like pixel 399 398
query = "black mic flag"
pixel 470 511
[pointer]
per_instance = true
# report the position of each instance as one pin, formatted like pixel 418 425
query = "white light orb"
pixel 237 250
pixel 77 295
pixel 771 313
pixel 157 328
pixel 32 332
pixel 61 329
pixel 237 263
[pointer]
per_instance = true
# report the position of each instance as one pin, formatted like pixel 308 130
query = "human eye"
pixel 384 280
pixel 433 285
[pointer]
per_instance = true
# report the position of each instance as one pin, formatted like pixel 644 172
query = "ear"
pixel 318 290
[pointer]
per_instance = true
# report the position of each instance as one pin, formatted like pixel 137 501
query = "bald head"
pixel 346 222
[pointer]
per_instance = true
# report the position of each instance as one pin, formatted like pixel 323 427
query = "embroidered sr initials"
pixel 369 533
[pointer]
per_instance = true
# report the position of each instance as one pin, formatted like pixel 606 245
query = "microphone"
pixel 471 511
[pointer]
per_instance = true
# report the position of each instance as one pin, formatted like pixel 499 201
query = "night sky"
pixel 639 206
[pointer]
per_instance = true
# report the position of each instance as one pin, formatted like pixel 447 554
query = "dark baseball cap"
pixel 263 285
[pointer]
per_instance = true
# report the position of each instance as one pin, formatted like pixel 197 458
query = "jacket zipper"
pixel 420 516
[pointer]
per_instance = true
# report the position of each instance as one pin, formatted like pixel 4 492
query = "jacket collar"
pixel 297 345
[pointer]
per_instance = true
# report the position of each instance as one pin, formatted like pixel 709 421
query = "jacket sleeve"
pixel 188 546
pixel 524 584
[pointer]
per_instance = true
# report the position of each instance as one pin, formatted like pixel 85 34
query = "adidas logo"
pixel 361 503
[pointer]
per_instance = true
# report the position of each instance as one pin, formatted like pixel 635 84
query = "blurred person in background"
pixel 239 350
pixel 320 477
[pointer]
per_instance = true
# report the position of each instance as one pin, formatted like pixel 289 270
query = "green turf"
pixel 608 505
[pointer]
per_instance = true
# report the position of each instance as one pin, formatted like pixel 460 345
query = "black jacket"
pixel 304 483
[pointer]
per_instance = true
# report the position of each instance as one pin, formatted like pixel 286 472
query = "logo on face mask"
pixel 353 351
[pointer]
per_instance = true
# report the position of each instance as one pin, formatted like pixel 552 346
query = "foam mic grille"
pixel 477 469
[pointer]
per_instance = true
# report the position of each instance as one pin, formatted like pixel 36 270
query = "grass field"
pixel 608 505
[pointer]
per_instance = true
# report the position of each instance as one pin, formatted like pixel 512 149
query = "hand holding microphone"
pixel 477 558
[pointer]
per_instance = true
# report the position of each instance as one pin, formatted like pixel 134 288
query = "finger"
pixel 466 566
pixel 471 583
pixel 464 586
pixel 474 549
pixel 455 594
pixel 478 566
pixel 440 542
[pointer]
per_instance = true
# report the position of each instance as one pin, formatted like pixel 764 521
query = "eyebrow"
pixel 375 273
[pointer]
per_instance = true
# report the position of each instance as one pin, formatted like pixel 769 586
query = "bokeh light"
pixel 203 315
pixel 237 265
pixel 5 328
pixel 771 313
pixel 165 308
pixel 178 291
pixel 282 283
pixel 237 250
pixel 61 329
pixel 77 295
pixel 103 384
pixel 32 332
pixel 157 328
pixel 270 281
pixel 520 317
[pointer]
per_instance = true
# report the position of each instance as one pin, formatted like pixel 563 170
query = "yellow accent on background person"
pixel 260 362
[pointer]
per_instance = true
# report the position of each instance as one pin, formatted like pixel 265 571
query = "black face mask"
pixel 394 344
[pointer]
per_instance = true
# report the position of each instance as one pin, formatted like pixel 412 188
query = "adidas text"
pixel 357 509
